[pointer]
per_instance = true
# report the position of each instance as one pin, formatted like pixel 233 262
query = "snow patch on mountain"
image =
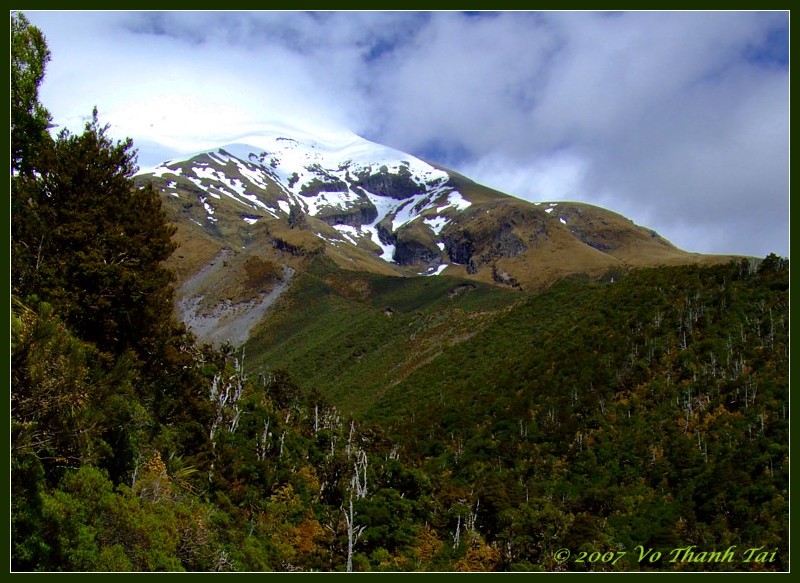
pixel 435 270
pixel 436 224
pixel 340 200
pixel 341 178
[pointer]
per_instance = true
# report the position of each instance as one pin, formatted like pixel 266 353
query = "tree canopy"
pixel 651 412
pixel 29 118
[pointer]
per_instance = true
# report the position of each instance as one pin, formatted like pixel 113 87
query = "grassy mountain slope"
pixel 387 347
pixel 356 334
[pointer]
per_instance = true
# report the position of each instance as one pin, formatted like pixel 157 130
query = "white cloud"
pixel 467 80
pixel 555 176
pixel 678 120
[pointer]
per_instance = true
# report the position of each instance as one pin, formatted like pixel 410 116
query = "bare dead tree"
pixel 353 530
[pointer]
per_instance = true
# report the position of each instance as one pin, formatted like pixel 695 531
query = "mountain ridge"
pixel 288 197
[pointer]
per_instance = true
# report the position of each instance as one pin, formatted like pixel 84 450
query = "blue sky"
pixel 678 120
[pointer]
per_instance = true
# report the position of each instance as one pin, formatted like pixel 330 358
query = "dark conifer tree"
pixel 30 142
pixel 102 251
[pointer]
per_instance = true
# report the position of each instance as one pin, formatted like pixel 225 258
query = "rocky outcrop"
pixel 385 233
pixel 460 246
pixel 482 236
pixel 384 183
pixel 297 250
pixel 504 278
pixel 295 242
pixel 461 288
pixel 596 240
pixel 477 248
pixel 505 243
pixel 592 231
pixel 416 244
pixel 412 252
pixel 316 185
pixel 363 213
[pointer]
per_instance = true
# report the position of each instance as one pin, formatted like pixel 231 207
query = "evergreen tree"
pixel 30 142
pixel 29 119
pixel 101 254
pixel 83 238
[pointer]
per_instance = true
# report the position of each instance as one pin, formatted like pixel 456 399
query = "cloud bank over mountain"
pixel 678 120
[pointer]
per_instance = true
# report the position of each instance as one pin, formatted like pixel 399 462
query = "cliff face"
pixel 398 185
pixel 484 235
pixel 414 252
pixel 358 214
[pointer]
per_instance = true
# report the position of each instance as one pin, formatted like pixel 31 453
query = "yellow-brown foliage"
pixel 479 557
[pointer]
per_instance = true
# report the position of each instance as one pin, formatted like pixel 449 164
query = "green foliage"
pixel 492 428
pixel 29 550
pixel 59 390
pixel 29 119
pixel 102 243
pixel 681 372
pixel 95 526
pixel 646 440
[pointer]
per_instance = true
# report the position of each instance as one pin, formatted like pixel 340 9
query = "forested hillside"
pixel 374 423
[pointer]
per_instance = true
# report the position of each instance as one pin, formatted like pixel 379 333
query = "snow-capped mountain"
pixel 252 214
pixel 366 192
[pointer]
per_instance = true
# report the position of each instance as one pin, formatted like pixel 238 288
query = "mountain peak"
pixel 364 191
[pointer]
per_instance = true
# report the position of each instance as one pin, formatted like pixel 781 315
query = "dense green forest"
pixel 636 424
